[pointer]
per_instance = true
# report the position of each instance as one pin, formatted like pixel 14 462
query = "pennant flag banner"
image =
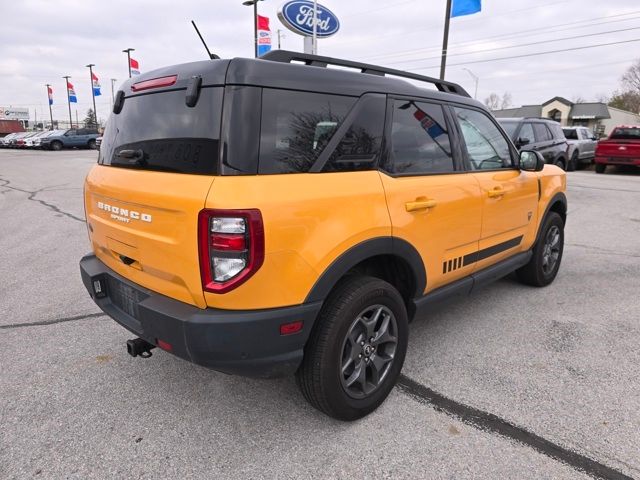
pixel 264 35
pixel 432 127
pixel 96 84
pixel 465 7
pixel 50 94
pixel 135 67
pixel 72 93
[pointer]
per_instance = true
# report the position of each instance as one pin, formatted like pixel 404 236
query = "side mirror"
pixel 594 138
pixel 521 142
pixel 531 161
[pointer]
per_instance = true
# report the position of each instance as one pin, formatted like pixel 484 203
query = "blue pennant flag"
pixel 72 93
pixel 465 7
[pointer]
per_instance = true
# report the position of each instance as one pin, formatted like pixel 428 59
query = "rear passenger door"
pixel 509 195
pixel 433 203
pixel 544 141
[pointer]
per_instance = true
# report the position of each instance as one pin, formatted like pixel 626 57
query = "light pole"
pixel 93 94
pixel 128 52
pixel 66 78
pixel 249 3
pixel 113 80
pixel 475 79
pixel 280 34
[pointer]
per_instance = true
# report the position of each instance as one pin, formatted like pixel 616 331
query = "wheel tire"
pixel 573 163
pixel 321 378
pixel 600 167
pixel 56 146
pixel 534 273
pixel 560 163
pixel 92 144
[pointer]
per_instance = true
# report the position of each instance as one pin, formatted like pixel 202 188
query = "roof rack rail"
pixel 285 56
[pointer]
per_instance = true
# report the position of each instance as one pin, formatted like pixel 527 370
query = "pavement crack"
pixel 52 321
pixel 32 195
pixel 492 423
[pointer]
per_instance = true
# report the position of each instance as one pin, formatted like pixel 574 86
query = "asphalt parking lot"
pixel 512 382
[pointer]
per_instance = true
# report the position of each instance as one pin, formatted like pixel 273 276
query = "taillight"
pixel 231 244
pixel 154 83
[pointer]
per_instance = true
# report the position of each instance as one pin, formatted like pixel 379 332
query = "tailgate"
pixel 144 225
pixel 157 161
pixel 618 149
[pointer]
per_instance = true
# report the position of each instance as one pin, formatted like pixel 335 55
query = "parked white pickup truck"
pixel 582 146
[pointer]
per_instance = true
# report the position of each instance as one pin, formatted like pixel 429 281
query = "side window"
pixel 359 147
pixel 419 139
pixel 556 131
pixel 541 132
pixel 70 133
pixel 296 126
pixel 526 132
pixel 486 146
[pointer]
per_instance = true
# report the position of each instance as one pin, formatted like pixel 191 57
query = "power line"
pixel 531 54
pixel 521 33
pixel 519 45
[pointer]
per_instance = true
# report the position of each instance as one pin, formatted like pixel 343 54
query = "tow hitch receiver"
pixel 139 348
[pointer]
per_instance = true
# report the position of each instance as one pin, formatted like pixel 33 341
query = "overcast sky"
pixel 41 40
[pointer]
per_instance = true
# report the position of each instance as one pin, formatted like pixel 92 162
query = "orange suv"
pixel 273 216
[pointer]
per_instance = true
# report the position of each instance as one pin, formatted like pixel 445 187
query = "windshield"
pixel 570 134
pixel 631 133
pixel 509 127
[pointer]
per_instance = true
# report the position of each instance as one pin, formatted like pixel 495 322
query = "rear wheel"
pixel 574 162
pixel 56 145
pixel 560 163
pixel 92 144
pixel 600 167
pixel 356 350
pixel 547 254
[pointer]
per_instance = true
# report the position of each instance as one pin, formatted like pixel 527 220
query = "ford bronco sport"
pixel 274 216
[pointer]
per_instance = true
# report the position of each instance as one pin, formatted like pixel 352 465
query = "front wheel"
pixel 356 349
pixel 91 144
pixel 547 254
pixel 56 146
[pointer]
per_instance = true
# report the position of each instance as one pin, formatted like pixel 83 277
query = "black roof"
pixel 312 75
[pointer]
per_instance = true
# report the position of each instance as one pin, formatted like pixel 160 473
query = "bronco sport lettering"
pixel 328 208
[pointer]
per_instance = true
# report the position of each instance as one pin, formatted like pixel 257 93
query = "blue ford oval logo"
pixel 297 16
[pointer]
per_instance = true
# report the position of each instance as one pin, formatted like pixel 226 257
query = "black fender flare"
pixel 559 197
pixel 362 251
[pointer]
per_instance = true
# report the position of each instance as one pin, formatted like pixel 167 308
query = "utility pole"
pixel 93 95
pixel 49 101
pixel 66 78
pixel 113 80
pixel 128 52
pixel 445 40
pixel 476 79
pixel 77 121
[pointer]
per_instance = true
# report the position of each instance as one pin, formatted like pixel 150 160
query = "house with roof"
pixel 597 116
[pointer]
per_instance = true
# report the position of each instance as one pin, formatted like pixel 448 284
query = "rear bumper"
pixel 232 341
pixel 618 160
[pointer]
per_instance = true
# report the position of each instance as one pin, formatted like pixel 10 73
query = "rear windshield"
pixel 509 127
pixel 570 134
pixel 626 134
pixel 159 132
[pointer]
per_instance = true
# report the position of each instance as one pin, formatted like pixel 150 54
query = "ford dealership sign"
pixel 297 16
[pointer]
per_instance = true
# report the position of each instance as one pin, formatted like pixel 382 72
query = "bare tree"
pixel 492 101
pixel 631 78
pixel 602 98
pixel 629 101
pixel 506 100
pixel 578 99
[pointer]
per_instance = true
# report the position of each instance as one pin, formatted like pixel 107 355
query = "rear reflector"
pixel 154 83
pixel 164 345
pixel 228 242
pixel 290 328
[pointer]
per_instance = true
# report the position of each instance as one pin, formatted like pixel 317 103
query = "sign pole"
pixel 93 95
pixel 113 80
pixel 128 52
pixel 49 102
pixel 67 77
pixel 445 40
pixel 315 27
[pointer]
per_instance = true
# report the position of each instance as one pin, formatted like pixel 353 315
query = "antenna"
pixel 212 56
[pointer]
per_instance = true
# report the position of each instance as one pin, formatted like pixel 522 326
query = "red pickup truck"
pixel 621 147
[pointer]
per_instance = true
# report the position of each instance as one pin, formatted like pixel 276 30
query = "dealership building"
pixel 597 116
pixel 13 119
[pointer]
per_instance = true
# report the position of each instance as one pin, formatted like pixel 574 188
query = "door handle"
pixel 420 204
pixel 497 192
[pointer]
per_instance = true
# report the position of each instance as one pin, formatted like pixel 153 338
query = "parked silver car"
pixel 582 146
